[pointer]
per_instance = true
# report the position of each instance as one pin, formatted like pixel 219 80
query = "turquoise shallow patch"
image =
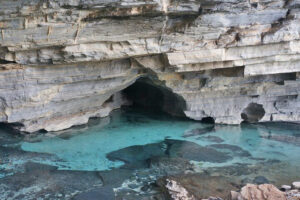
pixel 87 147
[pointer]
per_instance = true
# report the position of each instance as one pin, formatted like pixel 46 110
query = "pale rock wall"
pixel 61 61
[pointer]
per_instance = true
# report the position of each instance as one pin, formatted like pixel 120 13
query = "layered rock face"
pixel 63 62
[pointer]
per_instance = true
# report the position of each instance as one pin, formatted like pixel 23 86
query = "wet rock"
pixel 233 150
pixel 290 139
pixel 114 177
pixel 177 192
pixel 259 192
pixel 199 186
pixel 137 156
pixel 96 194
pixel 211 138
pixel 193 151
pixel 296 184
pixel 285 188
pixel 168 166
pixel 140 155
pixel 198 131
pixel 14 160
pixel 238 170
pixel 42 181
pixel 260 180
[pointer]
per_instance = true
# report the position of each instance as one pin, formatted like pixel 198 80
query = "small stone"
pixel 59 195
pixel 234 195
pixel 285 187
pixel 145 188
pixel 296 184
pixel 132 186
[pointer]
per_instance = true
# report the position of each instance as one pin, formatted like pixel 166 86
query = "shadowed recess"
pixel 148 95
pixel 253 112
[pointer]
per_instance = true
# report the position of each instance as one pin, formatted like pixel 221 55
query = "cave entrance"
pixel 146 94
pixel 253 113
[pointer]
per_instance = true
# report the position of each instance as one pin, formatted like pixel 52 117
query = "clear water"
pixel 275 148
pixel 86 149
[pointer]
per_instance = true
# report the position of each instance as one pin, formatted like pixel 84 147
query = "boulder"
pixel 259 192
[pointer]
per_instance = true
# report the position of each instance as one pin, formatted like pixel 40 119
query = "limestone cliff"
pixel 63 62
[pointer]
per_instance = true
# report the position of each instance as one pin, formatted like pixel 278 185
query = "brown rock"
pixel 261 192
pixel 198 186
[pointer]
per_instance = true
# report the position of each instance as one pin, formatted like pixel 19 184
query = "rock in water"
pixel 63 62
pixel 260 180
pixel 192 151
pixel 177 192
pixel 296 184
pixel 285 187
pixel 198 131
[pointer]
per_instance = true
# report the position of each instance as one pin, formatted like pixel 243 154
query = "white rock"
pixel 296 184
pixel 285 187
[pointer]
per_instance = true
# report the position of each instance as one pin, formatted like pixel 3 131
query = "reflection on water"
pixel 135 140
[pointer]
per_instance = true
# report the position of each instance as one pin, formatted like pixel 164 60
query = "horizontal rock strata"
pixel 63 62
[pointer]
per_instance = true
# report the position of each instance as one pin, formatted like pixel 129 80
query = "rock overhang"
pixel 61 60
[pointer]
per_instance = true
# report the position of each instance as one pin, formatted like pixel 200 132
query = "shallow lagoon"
pixel 246 153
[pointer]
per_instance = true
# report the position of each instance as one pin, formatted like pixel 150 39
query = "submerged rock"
pixel 137 156
pixel 290 139
pixel 45 182
pixel 198 131
pixel 167 151
pixel 169 166
pixel 96 194
pixel 193 151
pixel 260 180
pixel 211 138
pixel 233 150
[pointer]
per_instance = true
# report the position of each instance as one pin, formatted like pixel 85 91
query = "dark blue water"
pixel 131 137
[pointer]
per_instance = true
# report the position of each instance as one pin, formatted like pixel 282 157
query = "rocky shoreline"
pixel 177 191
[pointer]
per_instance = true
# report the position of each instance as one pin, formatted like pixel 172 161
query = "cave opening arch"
pixel 150 94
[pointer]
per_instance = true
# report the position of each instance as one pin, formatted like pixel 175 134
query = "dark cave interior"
pixel 146 94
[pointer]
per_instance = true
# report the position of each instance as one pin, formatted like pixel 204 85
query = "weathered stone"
pixel 296 185
pixel 195 152
pixel 261 192
pixel 61 61
pixel 196 186
pixel 285 187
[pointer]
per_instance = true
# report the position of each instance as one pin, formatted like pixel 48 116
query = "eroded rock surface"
pixel 63 62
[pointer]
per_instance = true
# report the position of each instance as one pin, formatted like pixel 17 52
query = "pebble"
pixel 285 187
pixel 59 195
pixel 296 184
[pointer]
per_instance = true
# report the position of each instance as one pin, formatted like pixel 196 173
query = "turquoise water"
pixel 261 147
pixel 86 149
